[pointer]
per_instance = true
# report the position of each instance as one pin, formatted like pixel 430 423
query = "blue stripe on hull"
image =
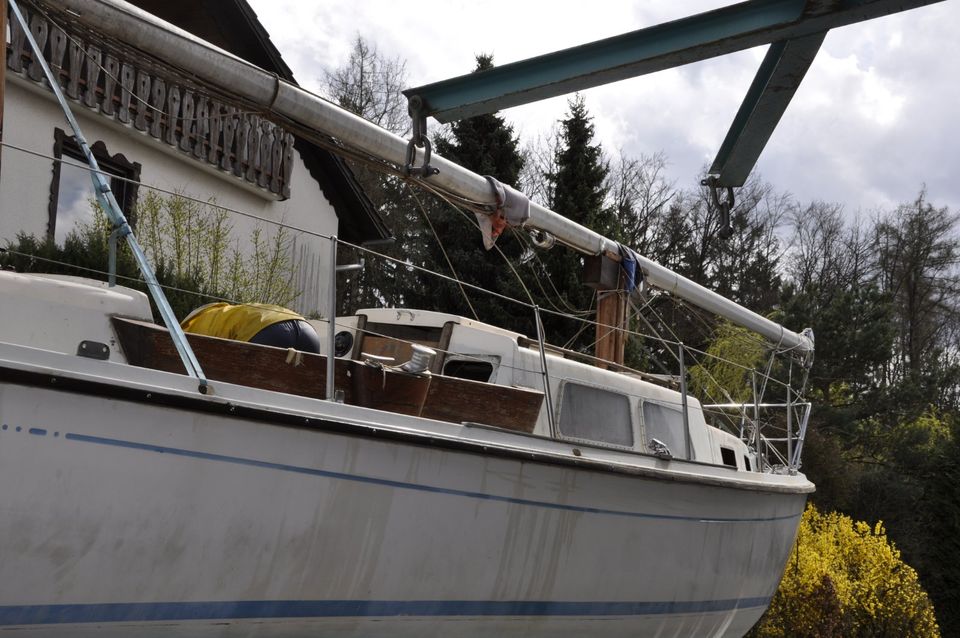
pixel 403 485
pixel 12 615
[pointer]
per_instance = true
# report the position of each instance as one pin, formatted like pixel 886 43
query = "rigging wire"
pixel 338 323
pixel 546 275
pixel 654 336
pixel 166 191
pixel 443 250
pixel 448 197
pixel 586 325
pixel 411 266
pixel 747 336
pixel 700 366
pixel 473 221
pixel 406 264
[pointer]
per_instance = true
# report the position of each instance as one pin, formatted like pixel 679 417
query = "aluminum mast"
pixel 218 67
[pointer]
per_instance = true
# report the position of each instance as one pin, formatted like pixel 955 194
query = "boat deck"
pixel 437 397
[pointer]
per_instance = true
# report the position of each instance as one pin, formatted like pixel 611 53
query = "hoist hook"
pixel 724 206
pixel 418 139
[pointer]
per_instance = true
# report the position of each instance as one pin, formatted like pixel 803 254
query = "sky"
pixel 875 119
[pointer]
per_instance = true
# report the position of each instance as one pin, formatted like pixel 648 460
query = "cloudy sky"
pixel 875 118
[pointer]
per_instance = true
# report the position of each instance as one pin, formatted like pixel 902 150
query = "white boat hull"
pixel 136 506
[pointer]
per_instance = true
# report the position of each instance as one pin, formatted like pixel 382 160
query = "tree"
pixel 724 375
pixel 678 229
pixel 745 266
pixel 941 517
pixel 918 255
pixel 639 195
pixel 370 84
pixel 578 192
pixel 486 145
pixel 833 288
pixel 578 189
pixel 539 162
pixel 882 299
pixel 846 579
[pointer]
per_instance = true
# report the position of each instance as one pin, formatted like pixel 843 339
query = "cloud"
pixel 874 119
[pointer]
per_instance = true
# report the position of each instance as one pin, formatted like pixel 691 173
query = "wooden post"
pixel 603 273
pixel 611 317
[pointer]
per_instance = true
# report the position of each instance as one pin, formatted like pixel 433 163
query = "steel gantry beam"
pixel 766 101
pixel 691 39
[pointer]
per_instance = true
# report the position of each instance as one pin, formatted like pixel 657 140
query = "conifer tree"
pixel 486 145
pixel 578 193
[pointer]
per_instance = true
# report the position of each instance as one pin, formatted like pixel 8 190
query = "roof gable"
pixel 232 25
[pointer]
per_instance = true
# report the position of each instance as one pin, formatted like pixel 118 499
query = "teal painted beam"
pixel 699 37
pixel 770 93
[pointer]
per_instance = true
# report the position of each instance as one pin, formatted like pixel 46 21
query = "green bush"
pixel 190 245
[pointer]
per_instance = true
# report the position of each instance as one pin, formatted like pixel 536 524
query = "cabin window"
pixel 594 414
pixel 468 369
pixel 71 189
pixel 728 456
pixel 666 425
pixel 746 463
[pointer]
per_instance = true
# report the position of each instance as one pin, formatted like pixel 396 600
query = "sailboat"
pixel 478 482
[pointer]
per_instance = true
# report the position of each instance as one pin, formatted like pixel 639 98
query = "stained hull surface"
pixel 121 516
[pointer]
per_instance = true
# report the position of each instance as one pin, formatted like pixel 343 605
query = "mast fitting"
pixel 418 139
pixel 724 206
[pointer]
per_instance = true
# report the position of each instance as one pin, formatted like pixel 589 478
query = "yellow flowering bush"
pixel 845 579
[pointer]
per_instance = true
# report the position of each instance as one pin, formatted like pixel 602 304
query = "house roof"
pixel 233 26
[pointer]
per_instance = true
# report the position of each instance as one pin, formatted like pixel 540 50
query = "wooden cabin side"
pixel 356 382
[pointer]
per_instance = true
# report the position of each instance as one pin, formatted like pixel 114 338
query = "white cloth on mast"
pixel 513 209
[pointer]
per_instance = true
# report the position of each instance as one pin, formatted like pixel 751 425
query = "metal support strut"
pixel 547 394
pixel 332 322
pixel 724 206
pixel 418 139
pixel 121 228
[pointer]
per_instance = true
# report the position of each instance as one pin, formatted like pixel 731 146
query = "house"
pixel 154 127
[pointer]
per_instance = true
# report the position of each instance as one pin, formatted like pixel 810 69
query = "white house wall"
pixel 30 116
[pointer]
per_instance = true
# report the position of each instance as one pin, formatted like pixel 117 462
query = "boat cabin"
pixel 593 405
pixel 480 375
